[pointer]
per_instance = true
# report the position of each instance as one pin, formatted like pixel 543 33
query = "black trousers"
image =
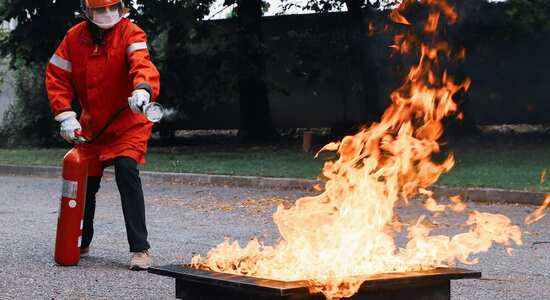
pixel 133 205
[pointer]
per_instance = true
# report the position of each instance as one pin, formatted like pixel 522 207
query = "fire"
pixel 457 204
pixel 347 231
pixel 539 213
pixel 433 21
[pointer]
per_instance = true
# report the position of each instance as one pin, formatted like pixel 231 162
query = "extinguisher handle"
pixel 79 137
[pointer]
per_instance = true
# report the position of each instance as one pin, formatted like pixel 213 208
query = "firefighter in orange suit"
pixel 104 63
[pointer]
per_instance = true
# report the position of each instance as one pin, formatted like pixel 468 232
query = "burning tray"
pixel 193 284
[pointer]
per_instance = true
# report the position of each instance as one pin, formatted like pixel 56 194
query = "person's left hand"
pixel 138 100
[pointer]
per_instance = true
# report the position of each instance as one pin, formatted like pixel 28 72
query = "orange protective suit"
pixel 102 77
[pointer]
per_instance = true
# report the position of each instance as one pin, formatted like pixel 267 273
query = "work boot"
pixel 84 252
pixel 141 260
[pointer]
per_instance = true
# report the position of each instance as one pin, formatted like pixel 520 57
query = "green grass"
pixel 516 165
pixel 230 160
pixel 247 161
pixel 34 157
pixel 513 165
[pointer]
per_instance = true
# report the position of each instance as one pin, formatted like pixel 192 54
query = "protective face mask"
pixel 106 19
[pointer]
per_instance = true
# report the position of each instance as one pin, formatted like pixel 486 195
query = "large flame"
pixel 348 230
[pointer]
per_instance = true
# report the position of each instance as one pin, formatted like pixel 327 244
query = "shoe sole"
pixel 138 268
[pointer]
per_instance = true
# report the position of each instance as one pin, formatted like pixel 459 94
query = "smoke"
pixel 170 115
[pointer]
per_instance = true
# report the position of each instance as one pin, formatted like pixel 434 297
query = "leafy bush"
pixel 29 120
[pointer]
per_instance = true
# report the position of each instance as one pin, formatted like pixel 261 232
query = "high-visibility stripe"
pixel 61 63
pixel 136 46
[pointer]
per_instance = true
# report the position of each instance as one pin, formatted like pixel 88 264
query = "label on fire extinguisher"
pixel 69 189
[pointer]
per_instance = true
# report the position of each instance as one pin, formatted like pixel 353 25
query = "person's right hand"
pixel 138 100
pixel 69 124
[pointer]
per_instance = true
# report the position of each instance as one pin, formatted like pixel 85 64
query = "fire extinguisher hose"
pixel 152 111
pixel 111 119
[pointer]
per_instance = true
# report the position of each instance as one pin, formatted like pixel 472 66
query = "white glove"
pixel 69 124
pixel 139 99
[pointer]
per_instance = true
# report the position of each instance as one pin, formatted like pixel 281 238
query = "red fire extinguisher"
pixel 71 210
pixel 73 195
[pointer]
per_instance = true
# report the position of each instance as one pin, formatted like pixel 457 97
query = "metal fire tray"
pixel 193 284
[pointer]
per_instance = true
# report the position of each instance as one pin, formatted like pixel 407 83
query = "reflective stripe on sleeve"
pixel 61 63
pixel 136 46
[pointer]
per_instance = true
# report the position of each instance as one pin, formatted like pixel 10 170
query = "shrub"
pixel 29 120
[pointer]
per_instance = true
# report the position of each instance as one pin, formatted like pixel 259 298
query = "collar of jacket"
pixel 106 38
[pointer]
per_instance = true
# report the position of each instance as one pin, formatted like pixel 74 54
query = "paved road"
pixel 184 220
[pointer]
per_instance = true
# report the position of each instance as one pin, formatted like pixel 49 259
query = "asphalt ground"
pixel 185 220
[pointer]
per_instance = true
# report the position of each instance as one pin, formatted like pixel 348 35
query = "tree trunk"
pixel 362 57
pixel 255 115
pixel 467 10
pixel 172 93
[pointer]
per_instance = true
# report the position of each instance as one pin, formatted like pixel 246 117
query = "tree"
pixel 40 27
pixel 360 50
pixel 184 84
pixel 255 115
pixel 528 16
pixel 233 12
pixel 170 26
pixel 41 24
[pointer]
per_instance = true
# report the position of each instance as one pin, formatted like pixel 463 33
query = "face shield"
pixel 106 17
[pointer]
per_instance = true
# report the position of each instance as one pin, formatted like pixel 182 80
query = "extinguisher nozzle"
pixel 153 112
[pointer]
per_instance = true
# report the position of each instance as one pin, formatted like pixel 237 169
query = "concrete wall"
pixel 7 91
pixel 511 77
pixel 310 78
pixel 510 81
